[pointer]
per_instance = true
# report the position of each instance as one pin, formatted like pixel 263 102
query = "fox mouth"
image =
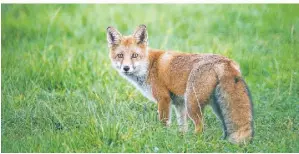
pixel 128 73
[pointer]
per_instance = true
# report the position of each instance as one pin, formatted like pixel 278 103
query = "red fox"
pixel 187 81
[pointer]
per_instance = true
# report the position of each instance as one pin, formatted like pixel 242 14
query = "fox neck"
pixel 139 80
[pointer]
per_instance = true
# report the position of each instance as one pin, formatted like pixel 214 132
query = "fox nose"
pixel 126 68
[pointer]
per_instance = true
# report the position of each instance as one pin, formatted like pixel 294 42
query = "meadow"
pixel 59 92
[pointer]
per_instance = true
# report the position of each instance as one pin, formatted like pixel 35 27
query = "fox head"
pixel 128 54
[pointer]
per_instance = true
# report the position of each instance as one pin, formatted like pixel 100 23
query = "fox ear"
pixel 113 37
pixel 140 35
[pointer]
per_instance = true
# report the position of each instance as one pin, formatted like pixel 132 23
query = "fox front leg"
pixel 161 94
pixel 164 111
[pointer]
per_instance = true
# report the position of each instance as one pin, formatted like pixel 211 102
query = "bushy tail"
pixel 232 101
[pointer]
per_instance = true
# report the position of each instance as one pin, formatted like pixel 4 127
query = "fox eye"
pixel 135 55
pixel 120 55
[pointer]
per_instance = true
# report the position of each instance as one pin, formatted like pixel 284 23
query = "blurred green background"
pixel 60 93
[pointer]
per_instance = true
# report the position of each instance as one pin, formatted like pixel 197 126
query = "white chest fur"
pixel 140 83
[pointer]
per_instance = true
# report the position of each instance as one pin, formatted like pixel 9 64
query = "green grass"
pixel 61 94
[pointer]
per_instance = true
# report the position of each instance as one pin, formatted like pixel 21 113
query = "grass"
pixel 60 93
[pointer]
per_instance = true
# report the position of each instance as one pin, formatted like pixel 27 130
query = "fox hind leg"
pixel 181 112
pixel 195 112
pixel 200 87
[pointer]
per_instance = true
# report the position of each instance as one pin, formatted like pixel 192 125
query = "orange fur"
pixel 168 76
